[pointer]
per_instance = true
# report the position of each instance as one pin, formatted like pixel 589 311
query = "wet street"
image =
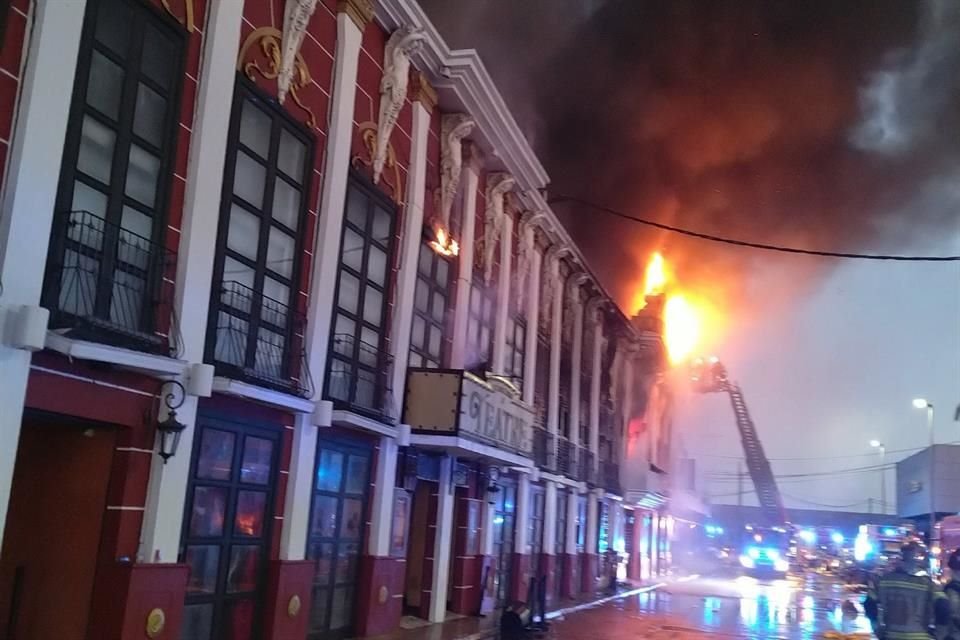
pixel 739 607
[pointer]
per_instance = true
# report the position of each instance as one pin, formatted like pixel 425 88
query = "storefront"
pixel 336 532
pixel 228 526
pixel 481 425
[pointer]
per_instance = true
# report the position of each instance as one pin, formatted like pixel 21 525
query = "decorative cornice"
pixel 421 91
pixel 393 88
pixel 498 184
pixel 360 11
pixel 453 128
pixel 296 17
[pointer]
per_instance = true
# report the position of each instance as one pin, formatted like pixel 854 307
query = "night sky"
pixel 820 124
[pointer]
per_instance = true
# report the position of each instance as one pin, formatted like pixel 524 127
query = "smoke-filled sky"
pixel 821 124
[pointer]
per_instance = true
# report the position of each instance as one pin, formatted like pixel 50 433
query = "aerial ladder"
pixel 710 376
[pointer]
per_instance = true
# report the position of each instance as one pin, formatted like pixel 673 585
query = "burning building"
pixel 291 342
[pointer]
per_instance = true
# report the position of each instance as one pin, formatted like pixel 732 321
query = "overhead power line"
pixel 746 243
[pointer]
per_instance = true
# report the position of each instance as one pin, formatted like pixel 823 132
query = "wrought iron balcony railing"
pixel 108 284
pixel 359 378
pixel 610 476
pixel 566 458
pixel 260 340
pixel 544 449
pixel 586 464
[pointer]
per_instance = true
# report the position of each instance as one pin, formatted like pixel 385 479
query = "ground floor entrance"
pixel 504 523
pixel 49 554
pixel 227 528
pixel 336 534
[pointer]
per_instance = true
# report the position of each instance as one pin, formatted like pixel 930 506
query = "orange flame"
pixel 444 245
pixel 681 327
pixel 655 277
pixel 687 318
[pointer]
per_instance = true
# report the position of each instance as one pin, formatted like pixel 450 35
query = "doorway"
pixel 503 534
pixel 227 529
pixel 341 483
pixel 59 485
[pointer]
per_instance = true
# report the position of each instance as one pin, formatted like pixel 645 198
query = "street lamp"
pixel 876 444
pixel 923 403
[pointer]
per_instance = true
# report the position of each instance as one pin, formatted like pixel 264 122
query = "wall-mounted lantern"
pixel 170 429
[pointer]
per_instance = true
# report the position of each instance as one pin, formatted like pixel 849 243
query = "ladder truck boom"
pixel 711 377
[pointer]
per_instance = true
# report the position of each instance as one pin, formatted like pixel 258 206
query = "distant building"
pixel 913 484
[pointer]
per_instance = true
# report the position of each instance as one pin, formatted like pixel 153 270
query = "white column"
pixel 573 512
pixel 382 509
pixel 26 210
pixel 503 296
pixel 577 357
pixel 333 193
pixel 520 541
pixel 410 242
pixel 167 488
pixel 441 544
pixel 556 331
pixel 468 225
pixel 296 507
pixel 593 522
pixel 595 386
pixel 549 518
pixel 533 317
pixel 626 409
pixel 486 532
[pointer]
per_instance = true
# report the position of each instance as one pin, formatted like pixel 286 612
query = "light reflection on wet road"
pixel 797 608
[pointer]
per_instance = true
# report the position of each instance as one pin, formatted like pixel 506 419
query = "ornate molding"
pixel 453 128
pixel 360 11
pixel 527 245
pixel 423 92
pixel 268 41
pixel 393 88
pixel 188 20
pixel 296 17
pixel 498 184
pixel 472 155
pixel 368 133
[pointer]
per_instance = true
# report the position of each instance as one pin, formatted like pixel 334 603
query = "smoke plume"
pixel 828 125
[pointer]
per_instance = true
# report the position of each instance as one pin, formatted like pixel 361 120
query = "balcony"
pixel 544 451
pixel 359 379
pixel 585 461
pixel 107 284
pixel 610 476
pixel 566 458
pixel 260 340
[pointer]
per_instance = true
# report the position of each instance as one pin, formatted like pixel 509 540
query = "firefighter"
pixel 952 592
pixel 901 605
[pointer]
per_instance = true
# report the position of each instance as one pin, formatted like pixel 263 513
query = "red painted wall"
pixel 11 56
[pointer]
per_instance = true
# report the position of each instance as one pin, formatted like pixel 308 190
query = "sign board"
pixel 454 402
pixel 491 415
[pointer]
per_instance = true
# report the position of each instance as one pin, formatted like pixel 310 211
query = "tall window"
pixel 480 325
pixel 516 345
pixel 429 309
pixel 106 262
pixel 253 322
pixel 358 362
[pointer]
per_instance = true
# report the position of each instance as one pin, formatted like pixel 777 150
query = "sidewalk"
pixel 476 628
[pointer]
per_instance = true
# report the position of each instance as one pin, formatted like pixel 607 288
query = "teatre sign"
pixel 490 414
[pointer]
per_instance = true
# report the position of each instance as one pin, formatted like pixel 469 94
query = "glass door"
pixel 535 532
pixel 336 535
pixel 561 544
pixel 227 529
pixel 503 530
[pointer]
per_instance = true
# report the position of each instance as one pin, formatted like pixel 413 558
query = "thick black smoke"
pixel 821 124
